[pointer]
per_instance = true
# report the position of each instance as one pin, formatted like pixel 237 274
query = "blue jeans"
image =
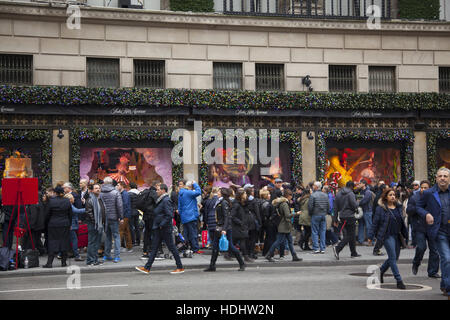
pixel 190 233
pixel 282 238
pixel 112 231
pixel 74 241
pixel 94 241
pixel 318 230
pixel 364 225
pixel 443 247
pixel 392 246
pixel 433 260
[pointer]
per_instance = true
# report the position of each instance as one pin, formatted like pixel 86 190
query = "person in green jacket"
pixel 305 219
pixel 285 227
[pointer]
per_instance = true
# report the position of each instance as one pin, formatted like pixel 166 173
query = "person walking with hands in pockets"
pixel 389 227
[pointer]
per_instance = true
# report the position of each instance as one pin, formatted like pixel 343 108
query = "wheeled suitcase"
pixel 82 236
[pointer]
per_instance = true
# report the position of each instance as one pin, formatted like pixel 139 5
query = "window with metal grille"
pixel 16 69
pixel 149 74
pixel 381 79
pixel 444 79
pixel 342 78
pixel 269 77
pixel 227 76
pixel 103 73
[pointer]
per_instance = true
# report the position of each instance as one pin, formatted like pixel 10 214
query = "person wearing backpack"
pixel 254 221
pixel 365 223
pixel 285 226
pixel 304 220
pixel 270 227
pixel 345 206
pixel 134 219
pixel 146 203
pixel 223 226
pixel 318 208
pixel 239 218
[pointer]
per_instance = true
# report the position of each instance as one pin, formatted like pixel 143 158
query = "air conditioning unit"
pixel 132 4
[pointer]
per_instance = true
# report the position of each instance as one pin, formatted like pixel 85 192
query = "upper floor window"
pixel 149 74
pixel 444 79
pixel 382 79
pixel 342 78
pixel 103 73
pixel 227 76
pixel 16 69
pixel 269 77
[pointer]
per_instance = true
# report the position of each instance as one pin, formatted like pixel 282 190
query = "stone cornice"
pixel 138 17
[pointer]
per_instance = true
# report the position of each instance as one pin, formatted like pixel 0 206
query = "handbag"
pixel 223 243
pixel 359 213
pixel 401 238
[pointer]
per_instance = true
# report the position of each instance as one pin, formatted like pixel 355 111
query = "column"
pixel 420 155
pixel 308 158
pixel 60 157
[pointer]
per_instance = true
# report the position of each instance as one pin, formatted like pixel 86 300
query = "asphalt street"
pixel 256 283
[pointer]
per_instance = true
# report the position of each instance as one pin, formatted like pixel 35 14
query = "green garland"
pixel 292 137
pixel 192 5
pixel 35 135
pixel 406 137
pixel 432 139
pixel 419 9
pixel 220 100
pixel 78 135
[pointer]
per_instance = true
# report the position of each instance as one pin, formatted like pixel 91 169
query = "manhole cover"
pixel 367 275
pixel 393 287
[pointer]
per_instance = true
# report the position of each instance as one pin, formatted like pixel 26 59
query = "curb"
pixel 113 269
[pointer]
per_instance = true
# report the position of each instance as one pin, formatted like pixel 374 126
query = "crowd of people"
pixel 257 223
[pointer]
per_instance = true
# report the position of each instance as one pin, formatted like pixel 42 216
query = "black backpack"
pixel 275 217
pixel 146 202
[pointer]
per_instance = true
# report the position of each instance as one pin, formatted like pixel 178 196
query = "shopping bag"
pixel 223 243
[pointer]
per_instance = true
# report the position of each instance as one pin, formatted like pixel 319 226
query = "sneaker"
pixel 145 256
pixel 79 259
pixel 116 260
pixel 160 258
pixel 322 252
pixel 105 258
pixel 90 264
pixel 336 253
pixel 98 263
pixel 129 250
pixel 176 271
pixel 143 270
pixel 315 252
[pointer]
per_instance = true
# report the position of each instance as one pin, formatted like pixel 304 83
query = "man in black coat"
pixel 146 203
pixel 162 230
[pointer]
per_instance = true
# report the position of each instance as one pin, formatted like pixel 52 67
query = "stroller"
pixel 180 244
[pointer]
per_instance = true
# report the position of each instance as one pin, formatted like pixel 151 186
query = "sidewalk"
pixel 201 261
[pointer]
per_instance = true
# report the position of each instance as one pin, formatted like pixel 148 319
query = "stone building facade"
pixel 191 43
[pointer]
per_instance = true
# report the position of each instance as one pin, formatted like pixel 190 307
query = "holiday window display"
pixel 352 163
pixel 250 172
pixel 142 166
pixel 443 157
